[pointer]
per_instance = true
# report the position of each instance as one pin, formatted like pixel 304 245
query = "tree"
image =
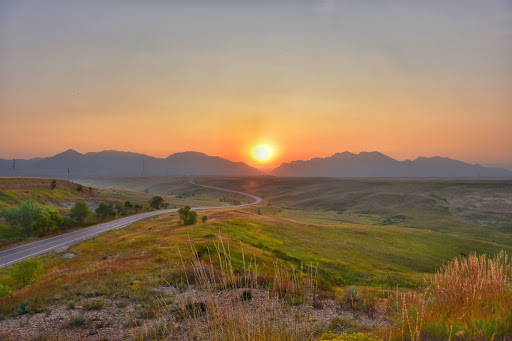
pixel 90 189
pixel 32 218
pixel 204 218
pixel 187 216
pixel 105 210
pixel 79 188
pixel 192 218
pixel 79 212
pixel 54 184
pixel 137 207
pixel 119 209
pixel 26 272
pixel 128 204
pixel 156 202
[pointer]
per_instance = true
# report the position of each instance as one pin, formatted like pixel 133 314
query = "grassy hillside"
pixel 346 254
pixel 14 191
pixel 479 209
pixel 143 258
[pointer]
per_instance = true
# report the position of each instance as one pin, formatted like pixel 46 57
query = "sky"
pixel 309 78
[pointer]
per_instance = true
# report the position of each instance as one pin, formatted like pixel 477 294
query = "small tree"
pixel 119 209
pixel 79 188
pixel 156 202
pixel 105 210
pixel 90 189
pixel 192 218
pixel 54 184
pixel 187 216
pixel 137 207
pixel 128 204
pixel 79 212
pixel 204 218
pixel 26 272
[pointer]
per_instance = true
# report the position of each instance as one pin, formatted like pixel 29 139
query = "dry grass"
pixel 228 304
pixel 468 298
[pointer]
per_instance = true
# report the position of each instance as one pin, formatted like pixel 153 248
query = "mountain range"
pixel 378 165
pixel 346 164
pixel 116 163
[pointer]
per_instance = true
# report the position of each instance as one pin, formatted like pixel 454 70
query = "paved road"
pixel 19 253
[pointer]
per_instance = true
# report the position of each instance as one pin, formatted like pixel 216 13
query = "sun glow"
pixel 262 153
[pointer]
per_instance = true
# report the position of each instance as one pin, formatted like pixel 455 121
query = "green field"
pixel 476 209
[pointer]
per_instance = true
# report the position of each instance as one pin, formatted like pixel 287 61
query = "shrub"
pixel 5 290
pixel 79 188
pixel 156 202
pixel 32 217
pixel 187 216
pixel 71 304
pixel 204 218
pixel 76 320
pixel 94 304
pixel 105 210
pixel 79 212
pixel 54 184
pixel 26 272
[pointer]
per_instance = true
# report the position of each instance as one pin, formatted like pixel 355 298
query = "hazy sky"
pixel 312 78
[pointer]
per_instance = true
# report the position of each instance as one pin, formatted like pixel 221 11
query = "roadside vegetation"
pixel 34 208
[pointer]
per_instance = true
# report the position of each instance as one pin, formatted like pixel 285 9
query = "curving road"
pixel 19 253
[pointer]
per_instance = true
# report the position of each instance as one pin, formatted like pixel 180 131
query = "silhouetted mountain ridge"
pixel 378 165
pixel 118 163
pixel 345 164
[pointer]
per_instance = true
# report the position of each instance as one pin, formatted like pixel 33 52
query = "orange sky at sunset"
pixel 408 81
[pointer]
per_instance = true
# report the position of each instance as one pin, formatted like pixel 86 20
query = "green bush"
pixel 5 290
pixel 187 216
pixel 105 210
pixel 32 218
pixel 156 202
pixel 79 212
pixel 26 272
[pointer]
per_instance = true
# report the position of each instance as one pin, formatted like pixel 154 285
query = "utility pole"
pixel 68 174
pixel 142 174
pixel 14 167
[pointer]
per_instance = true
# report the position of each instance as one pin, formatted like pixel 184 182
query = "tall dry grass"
pixel 468 298
pixel 225 303
pixel 466 282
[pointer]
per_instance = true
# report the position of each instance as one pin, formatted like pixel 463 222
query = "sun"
pixel 262 152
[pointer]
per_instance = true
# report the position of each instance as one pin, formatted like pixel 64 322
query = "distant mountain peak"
pixel 69 153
